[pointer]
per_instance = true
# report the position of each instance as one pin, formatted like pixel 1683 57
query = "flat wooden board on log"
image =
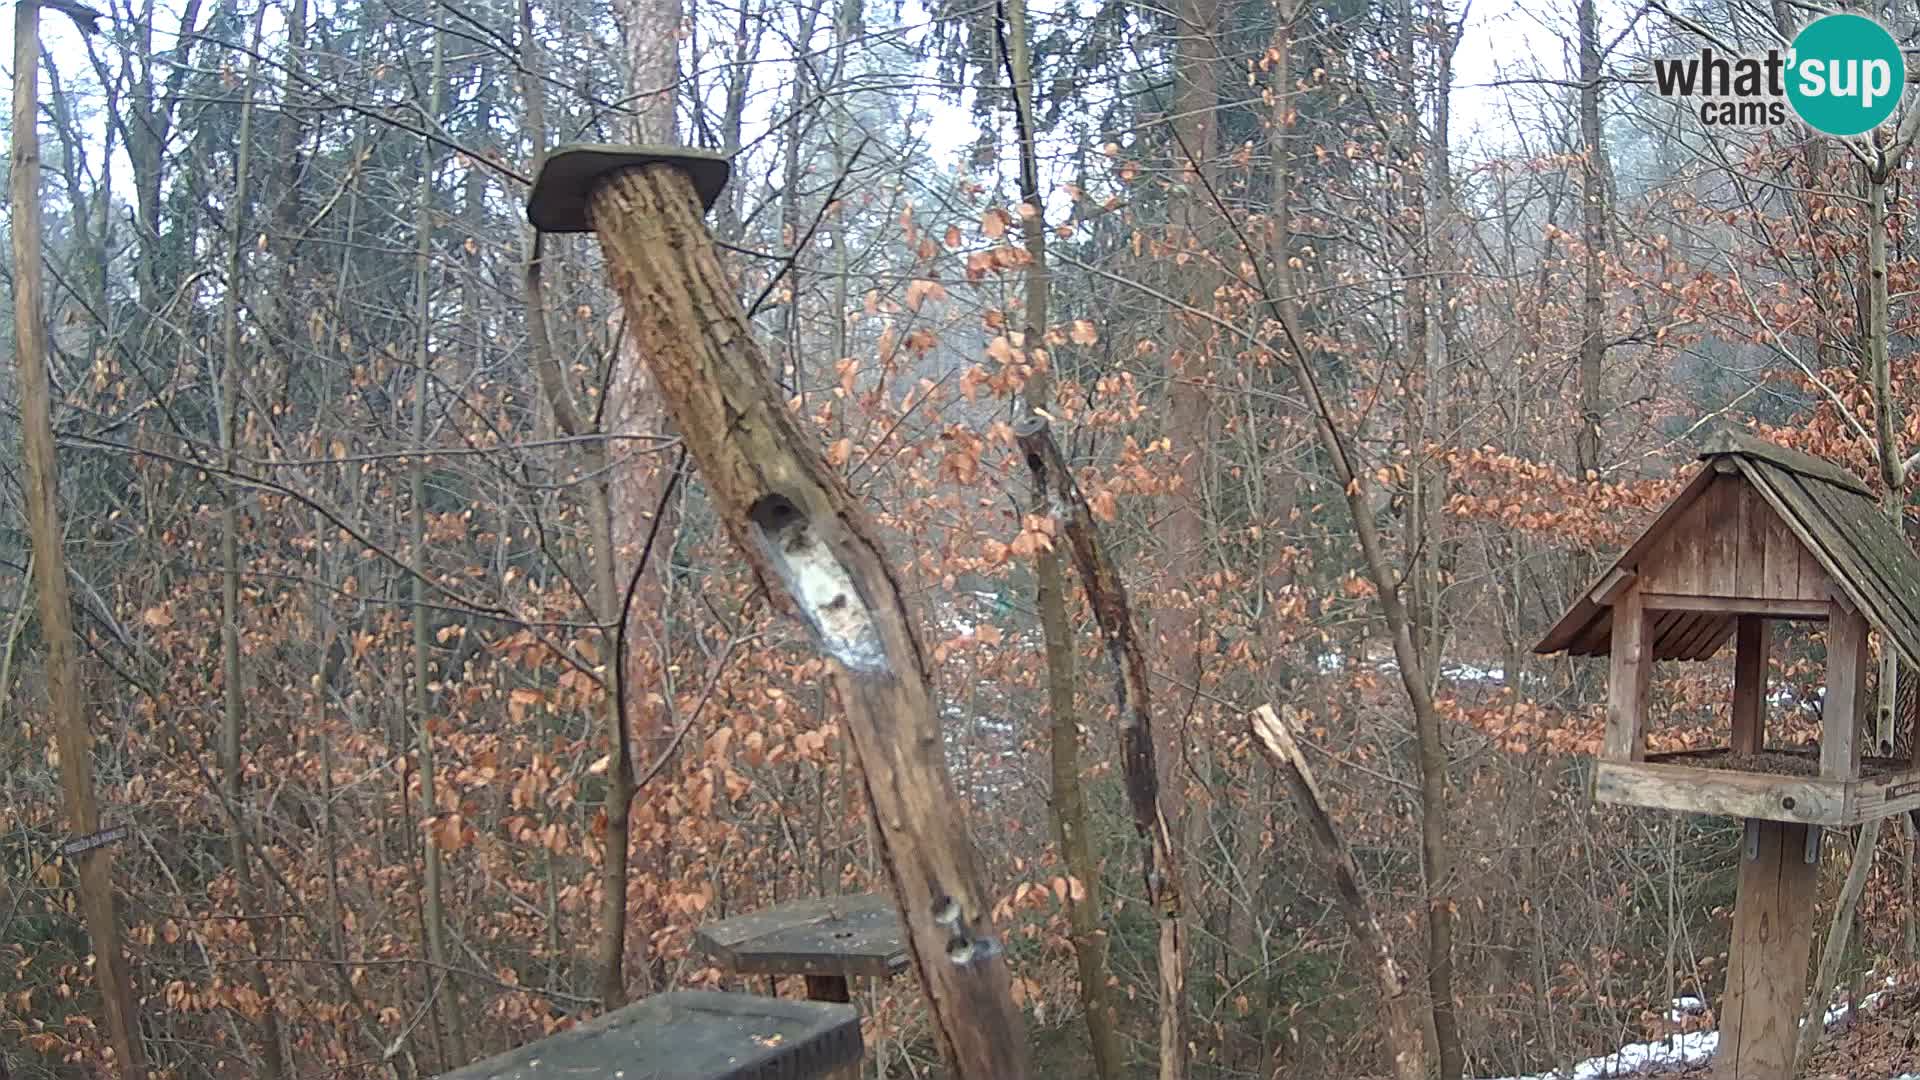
pixel 836 935
pixel 690 1035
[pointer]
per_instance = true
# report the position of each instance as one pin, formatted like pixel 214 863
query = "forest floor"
pixel 1881 1043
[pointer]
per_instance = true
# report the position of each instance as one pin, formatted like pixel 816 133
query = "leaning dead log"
pixel 813 547
pixel 1107 595
pixel 1276 742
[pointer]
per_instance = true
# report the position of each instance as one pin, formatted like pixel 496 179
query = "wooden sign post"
pixel 812 545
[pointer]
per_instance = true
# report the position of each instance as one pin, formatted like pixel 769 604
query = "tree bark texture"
pixel 814 547
pixel 652 34
pixel 448 999
pixel 1593 236
pixel 611 942
pixel 233 781
pixel 1436 855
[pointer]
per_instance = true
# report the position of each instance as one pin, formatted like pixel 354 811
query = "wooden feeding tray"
pixel 690 1035
pixel 826 940
pixel 1772 785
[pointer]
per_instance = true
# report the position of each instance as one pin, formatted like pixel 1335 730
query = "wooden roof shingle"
pixel 1831 512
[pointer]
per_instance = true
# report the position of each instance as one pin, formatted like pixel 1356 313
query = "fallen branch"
pixel 1276 742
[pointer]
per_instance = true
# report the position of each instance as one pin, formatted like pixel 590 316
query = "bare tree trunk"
pixel 1593 235
pixel 611 942
pixel 799 102
pixel 812 545
pixel 239 850
pixel 1422 545
pixel 1182 532
pixel 1107 595
pixel 42 482
pixel 633 407
pixel 436 919
pixel 1069 800
pixel 1893 474
pixel 1435 855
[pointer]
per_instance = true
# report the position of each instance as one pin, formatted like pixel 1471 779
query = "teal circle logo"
pixel 1845 74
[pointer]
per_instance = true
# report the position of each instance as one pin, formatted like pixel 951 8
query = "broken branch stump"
pixel 814 548
pixel 1273 736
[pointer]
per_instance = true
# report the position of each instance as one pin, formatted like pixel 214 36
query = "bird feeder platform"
pixel 1760 535
pixel 827 940
pixel 1725 783
pixel 691 1035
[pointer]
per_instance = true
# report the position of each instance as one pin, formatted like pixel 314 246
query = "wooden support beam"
pixel 1751 638
pixel 1610 587
pixel 1632 666
pixel 813 546
pixel 1737 605
pixel 1839 596
pixel 1767 961
pixel 1721 792
pixel 828 988
pixel 1842 709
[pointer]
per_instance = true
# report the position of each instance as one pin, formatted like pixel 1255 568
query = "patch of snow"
pixel 1684 1008
pixel 1474 673
pixel 1692 1048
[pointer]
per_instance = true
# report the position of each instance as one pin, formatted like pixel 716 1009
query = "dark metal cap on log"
pixel 567 174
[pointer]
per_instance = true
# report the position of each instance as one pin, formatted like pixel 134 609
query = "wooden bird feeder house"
pixel 1760 535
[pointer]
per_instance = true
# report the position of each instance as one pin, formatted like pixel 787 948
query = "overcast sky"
pixel 1504 39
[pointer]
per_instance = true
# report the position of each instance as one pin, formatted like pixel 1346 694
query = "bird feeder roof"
pixel 1833 525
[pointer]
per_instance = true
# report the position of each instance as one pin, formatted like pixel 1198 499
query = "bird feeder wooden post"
pixel 1760 535
pixel 828 941
pixel 813 546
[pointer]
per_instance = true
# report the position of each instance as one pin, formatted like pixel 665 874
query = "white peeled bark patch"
pixel 821 587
